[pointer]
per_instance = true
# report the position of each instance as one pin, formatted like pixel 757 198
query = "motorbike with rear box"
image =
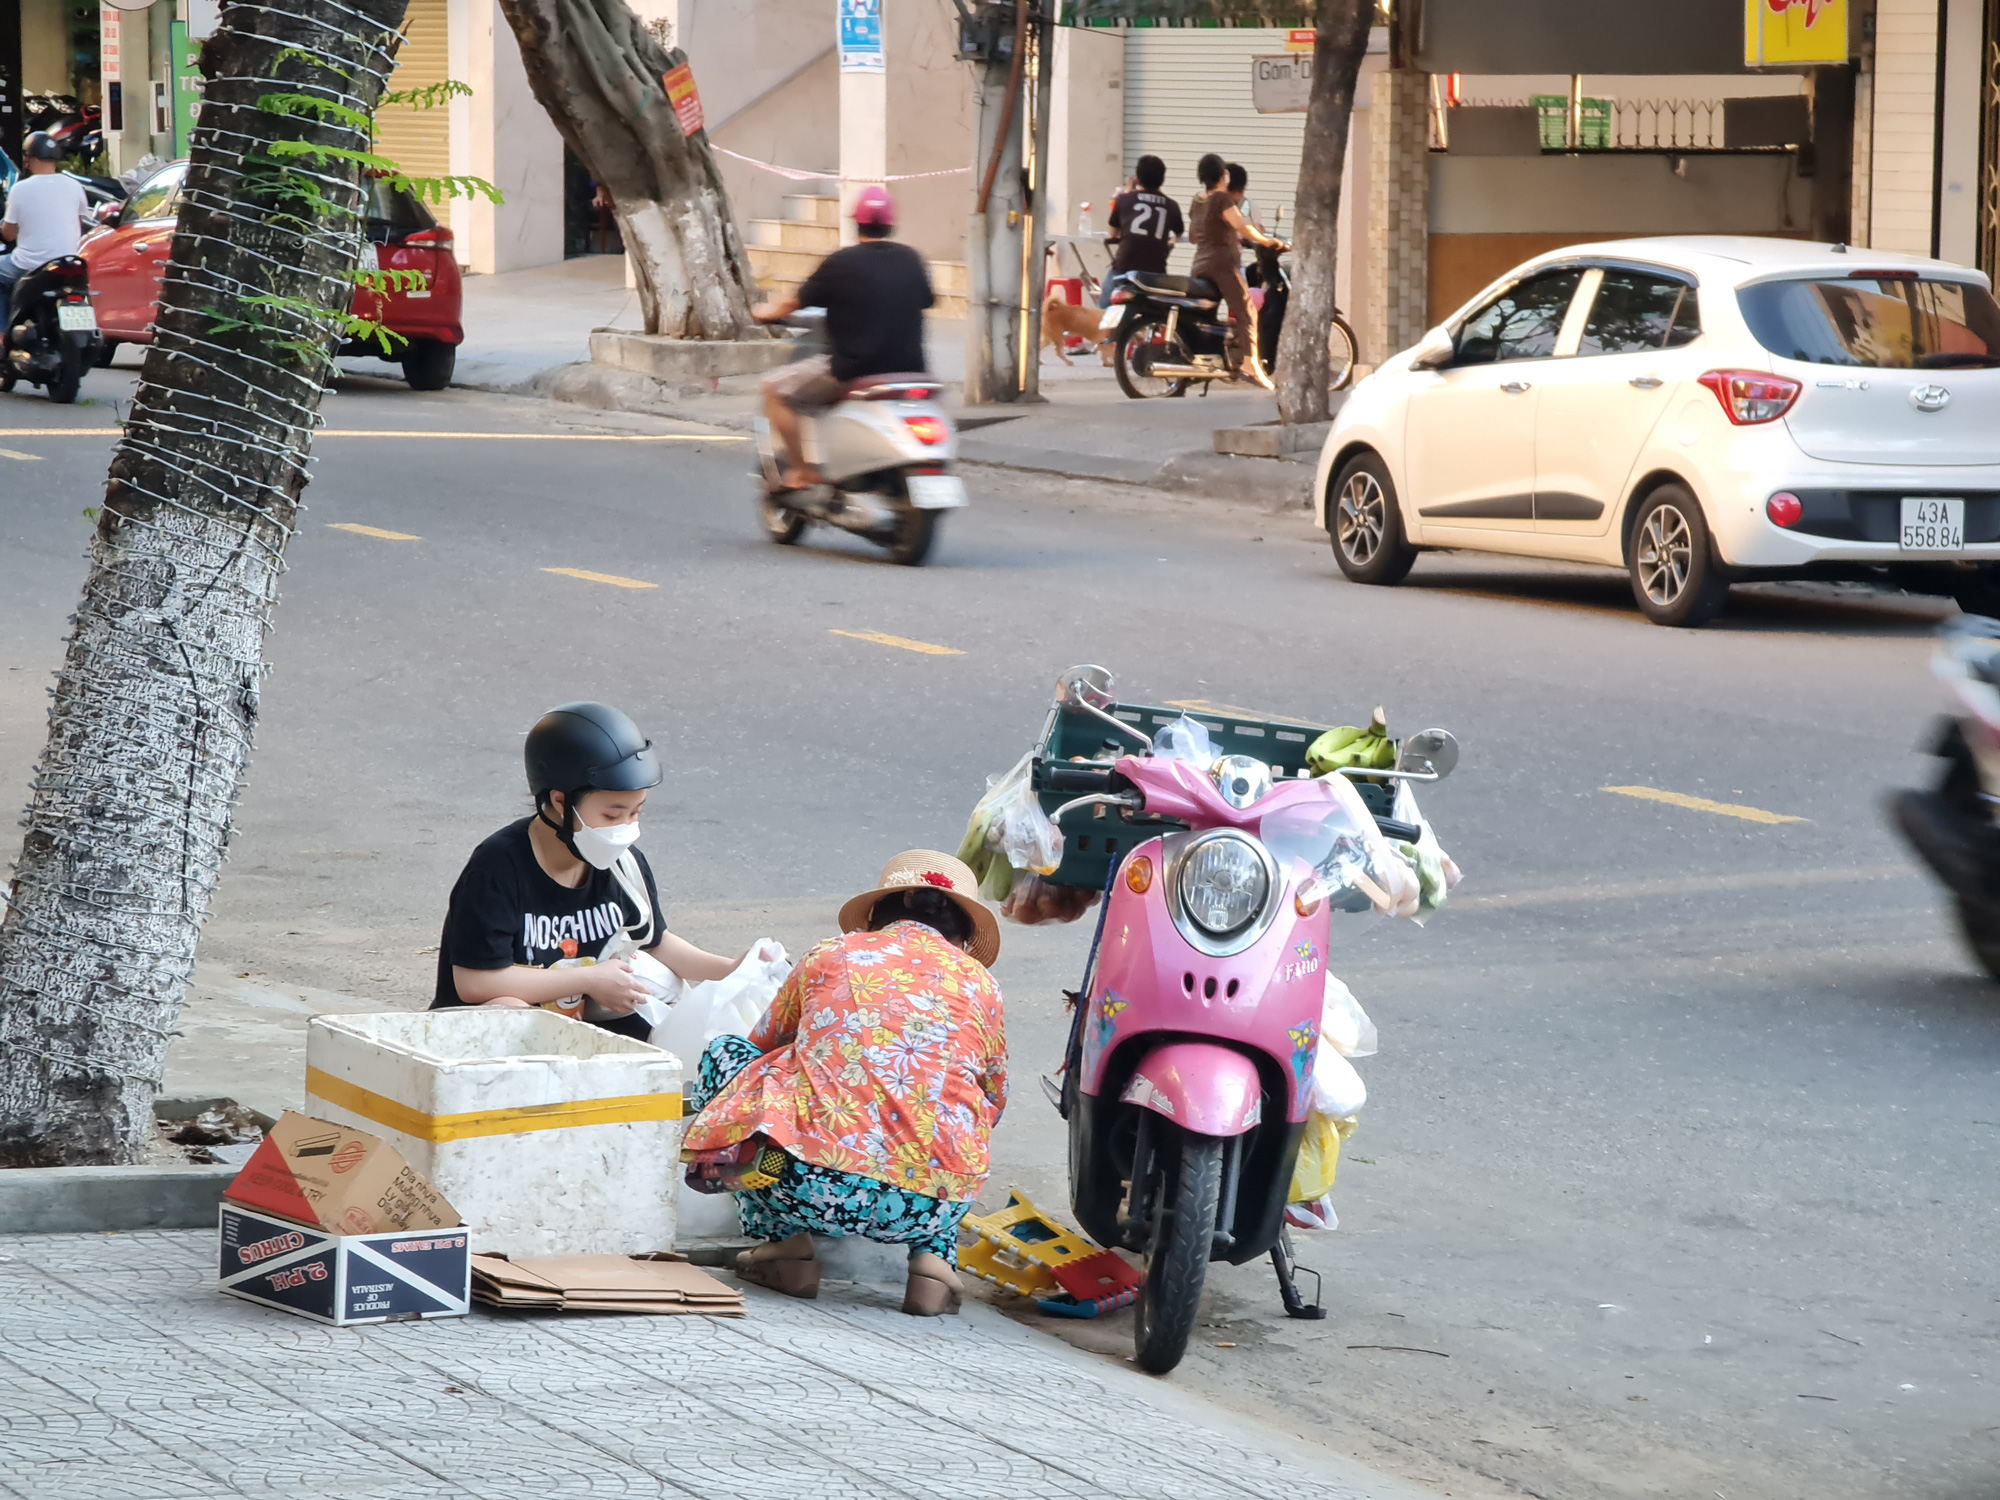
pixel 885 450
pixel 1187 1077
pixel 51 329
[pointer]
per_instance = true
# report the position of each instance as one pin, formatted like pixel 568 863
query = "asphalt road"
pixel 1677 1173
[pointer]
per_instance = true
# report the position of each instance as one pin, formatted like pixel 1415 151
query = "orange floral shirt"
pixel 885 1055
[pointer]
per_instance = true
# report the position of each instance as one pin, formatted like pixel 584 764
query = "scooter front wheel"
pixel 782 524
pixel 1183 1237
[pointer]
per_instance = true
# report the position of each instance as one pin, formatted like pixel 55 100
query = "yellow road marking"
pixel 1702 804
pixel 611 578
pixel 901 643
pixel 1231 711
pixel 359 530
pixel 26 458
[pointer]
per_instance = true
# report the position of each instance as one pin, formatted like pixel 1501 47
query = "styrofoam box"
pixel 495 1107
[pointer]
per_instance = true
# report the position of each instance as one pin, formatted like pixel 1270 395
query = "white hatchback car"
pixel 1696 410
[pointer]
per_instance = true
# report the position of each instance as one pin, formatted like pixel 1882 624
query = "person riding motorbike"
pixel 1145 223
pixel 1220 231
pixel 874 293
pixel 47 213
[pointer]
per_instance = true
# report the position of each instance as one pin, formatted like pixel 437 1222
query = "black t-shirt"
pixel 874 294
pixel 1146 223
pixel 506 910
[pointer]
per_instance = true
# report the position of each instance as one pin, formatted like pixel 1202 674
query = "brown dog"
pixel 1060 318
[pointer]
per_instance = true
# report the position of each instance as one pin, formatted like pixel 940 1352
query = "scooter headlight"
pixel 1224 884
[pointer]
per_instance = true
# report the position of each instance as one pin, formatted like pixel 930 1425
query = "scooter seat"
pixel 1162 285
pixel 908 387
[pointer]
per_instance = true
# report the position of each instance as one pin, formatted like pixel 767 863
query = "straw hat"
pixel 926 869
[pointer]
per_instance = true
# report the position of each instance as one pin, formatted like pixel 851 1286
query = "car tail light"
pixel 430 239
pixel 1750 396
pixel 928 430
pixel 1139 875
pixel 1784 508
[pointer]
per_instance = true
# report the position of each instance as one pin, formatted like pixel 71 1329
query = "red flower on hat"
pixel 933 877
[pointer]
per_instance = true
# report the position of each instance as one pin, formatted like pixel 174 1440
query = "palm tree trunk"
pixel 600 75
pixel 1338 48
pixel 156 701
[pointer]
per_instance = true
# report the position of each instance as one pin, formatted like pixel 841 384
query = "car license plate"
pixel 1933 524
pixel 76 317
pixel 936 491
pixel 1113 316
pixel 371 258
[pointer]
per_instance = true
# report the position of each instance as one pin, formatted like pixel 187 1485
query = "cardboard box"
pixel 339 1179
pixel 343 1278
pixel 603 1283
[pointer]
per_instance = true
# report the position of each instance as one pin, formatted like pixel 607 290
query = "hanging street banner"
pixel 861 36
pixel 686 102
pixel 1782 33
pixel 1281 84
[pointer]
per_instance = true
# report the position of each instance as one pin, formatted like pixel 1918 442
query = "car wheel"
pixel 1365 524
pixel 428 363
pixel 1675 577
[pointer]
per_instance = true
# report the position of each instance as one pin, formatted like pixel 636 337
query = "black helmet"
pixel 588 745
pixel 41 146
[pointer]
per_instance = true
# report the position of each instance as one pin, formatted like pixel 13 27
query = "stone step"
pixel 775 263
pixel 948 278
pixel 812 208
pixel 794 234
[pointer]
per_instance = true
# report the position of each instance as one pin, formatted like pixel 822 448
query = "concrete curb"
pixel 1272 439
pixel 73 1200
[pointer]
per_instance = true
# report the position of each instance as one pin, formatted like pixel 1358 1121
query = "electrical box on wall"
pixel 163 112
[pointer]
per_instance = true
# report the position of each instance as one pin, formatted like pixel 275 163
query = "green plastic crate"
pixel 1096 837
pixel 1593 130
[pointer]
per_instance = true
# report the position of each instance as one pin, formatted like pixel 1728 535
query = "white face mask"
pixel 601 847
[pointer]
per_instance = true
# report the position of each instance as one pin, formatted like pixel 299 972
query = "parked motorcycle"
pixel 1187 1077
pixel 51 330
pixel 1951 825
pixel 1169 332
pixel 886 452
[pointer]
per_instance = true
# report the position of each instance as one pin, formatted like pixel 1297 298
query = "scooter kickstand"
pixel 1283 1262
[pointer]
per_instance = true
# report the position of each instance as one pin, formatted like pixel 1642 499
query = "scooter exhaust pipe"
pixel 1186 372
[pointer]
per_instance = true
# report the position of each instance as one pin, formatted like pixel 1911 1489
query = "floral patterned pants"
pixel 819 1200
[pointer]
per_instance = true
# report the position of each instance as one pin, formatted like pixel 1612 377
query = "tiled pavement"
pixel 125 1376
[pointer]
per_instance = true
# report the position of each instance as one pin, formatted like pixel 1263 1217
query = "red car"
pixel 129 255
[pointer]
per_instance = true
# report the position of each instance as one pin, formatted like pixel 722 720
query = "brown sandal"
pixel 794 1278
pixel 927 1296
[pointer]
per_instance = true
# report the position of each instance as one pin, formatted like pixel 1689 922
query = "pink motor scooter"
pixel 1187 1078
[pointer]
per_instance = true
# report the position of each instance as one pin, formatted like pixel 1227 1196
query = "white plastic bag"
pixel 1317 1214
pixel 1343 1024
pixel 1185 739
pixel 1337 1090
pixel 1015 824
pixel 729 1006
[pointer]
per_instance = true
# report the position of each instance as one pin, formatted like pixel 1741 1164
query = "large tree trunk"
pixel 1338 48
pixel 157 697
pixel 599 74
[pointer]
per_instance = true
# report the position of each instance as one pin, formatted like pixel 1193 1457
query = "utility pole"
pixel 1011 45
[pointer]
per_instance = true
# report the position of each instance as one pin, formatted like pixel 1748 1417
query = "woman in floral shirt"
pixel 880 1071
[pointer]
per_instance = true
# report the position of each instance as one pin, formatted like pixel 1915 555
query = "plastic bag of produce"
pixel 1435 870
pixel 1319 1159
pixel 1343 1024
pixel 1185 739
pixel 1317 1214
pixel 729 1006
pixel 1009 831
pixel 1035 900
pixel 1337 1090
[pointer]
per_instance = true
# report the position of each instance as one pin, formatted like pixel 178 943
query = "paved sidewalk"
pixel 125 1374
pixel 528 332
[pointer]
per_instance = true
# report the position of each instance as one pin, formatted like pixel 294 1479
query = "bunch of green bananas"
pixel 987 863
pixel 1368 749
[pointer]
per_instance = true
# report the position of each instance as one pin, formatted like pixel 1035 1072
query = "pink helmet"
pixel 874 207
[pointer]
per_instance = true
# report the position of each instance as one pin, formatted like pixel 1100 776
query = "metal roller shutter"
pixel 419 140
pixel 1187 92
